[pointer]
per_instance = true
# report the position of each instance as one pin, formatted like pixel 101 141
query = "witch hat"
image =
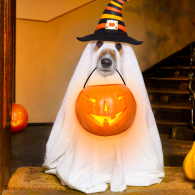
pixel 111 26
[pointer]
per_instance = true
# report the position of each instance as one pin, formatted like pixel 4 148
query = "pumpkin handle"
pixel 95 69
pixel 89 76
pixel 121 77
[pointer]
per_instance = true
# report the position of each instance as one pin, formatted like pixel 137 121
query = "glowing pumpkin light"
pixel 106 110
pixel 19 118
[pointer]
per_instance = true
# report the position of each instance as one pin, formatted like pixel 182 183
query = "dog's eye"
pixel 99 44
pixel 118 46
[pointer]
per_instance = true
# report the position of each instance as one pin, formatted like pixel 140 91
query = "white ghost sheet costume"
pixel 88 162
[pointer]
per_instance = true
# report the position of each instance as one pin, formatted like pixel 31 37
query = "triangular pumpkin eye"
pixel 20 112
pixel 120 97
pixel 93 100
pixel 105 107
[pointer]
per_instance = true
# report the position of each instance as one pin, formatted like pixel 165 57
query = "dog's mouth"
pixel 15 124
pixel 105 70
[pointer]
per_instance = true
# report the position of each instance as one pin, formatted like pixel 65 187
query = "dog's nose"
pixel 106 62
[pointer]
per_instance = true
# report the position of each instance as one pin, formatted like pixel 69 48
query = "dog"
pixel 107 59
pixel 88 162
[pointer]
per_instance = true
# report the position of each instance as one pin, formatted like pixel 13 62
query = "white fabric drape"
pixel 87 162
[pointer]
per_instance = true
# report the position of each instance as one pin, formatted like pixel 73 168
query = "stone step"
pixel 171 123
pixel 168 97
pixel 170 113
pixel 170 71
pixel 165 127
pixel 168 84
pixel 180 67
pixel 176 78
pixel 182 60
pixel 171 106
pixel 156 91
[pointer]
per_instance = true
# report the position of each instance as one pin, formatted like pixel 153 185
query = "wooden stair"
pixel 167 85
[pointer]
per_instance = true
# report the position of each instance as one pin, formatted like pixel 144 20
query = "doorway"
pixel 7 40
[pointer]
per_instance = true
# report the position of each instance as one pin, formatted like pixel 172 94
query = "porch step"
pixel 180 78
pixel 171 97
pixel 170 113
pixel 171 123
pixel 126 192
pixel 184 60
pixel 173 71
pixel 154 91
pixel 174 67
pixel 168 106
pixel 168 84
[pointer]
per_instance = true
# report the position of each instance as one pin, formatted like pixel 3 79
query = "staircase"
pixel 167 85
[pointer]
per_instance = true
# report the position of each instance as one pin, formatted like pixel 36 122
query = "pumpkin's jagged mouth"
pixel 17 123
pixel 107 120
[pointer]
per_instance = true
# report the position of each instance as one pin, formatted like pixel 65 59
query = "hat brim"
pixel 110 37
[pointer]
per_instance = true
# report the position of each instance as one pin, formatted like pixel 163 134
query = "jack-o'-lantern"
pixel 106 110
pixel 19 118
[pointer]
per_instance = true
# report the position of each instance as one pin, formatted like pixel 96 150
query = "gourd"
pixel 189 164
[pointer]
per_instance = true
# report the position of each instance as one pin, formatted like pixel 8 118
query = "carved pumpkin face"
pixel 19 118
pixel 105 110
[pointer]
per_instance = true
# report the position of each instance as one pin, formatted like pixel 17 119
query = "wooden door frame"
pixel 7 48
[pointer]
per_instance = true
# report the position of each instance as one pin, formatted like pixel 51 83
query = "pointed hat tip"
pixel 111 26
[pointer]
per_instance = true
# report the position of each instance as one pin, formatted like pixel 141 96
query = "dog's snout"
pixel 106 62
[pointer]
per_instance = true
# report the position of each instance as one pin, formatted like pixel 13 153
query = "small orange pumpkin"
pixel 189 164
pixel 19 118
pixel 106 110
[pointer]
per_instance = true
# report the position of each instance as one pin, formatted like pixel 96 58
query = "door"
pixel 7 29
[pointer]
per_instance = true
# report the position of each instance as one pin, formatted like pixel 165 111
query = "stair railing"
pixel 191 92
